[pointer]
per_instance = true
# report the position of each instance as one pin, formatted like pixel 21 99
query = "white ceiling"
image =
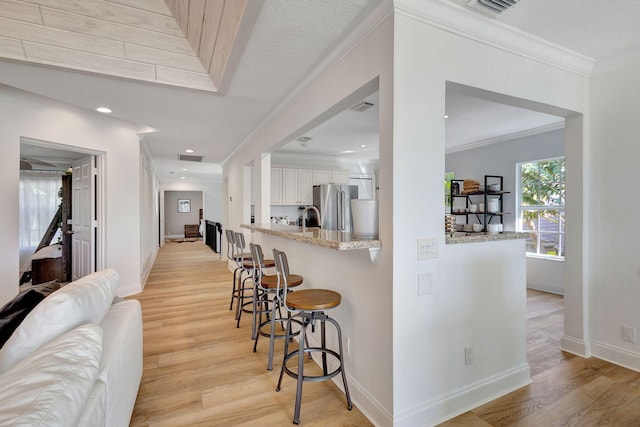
pixel 284 46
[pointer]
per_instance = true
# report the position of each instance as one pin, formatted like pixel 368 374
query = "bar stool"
pixel 246 265
pixel 233 255
pixel 308 305
pixel 268 300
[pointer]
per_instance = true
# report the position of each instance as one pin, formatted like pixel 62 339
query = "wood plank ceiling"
pixel 184 43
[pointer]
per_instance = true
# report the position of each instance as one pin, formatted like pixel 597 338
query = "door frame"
pixel 101 179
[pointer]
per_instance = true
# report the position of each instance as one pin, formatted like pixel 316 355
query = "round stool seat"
pixel 267 263
pixel 271 282
pixel 313 299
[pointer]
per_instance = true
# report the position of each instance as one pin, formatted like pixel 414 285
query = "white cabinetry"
pixel 339 177
pixel 321 177
pixel 276 186
pixel 305 186
pixel 296 187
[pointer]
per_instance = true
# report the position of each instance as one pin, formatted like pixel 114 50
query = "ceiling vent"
pixel 189 158
pixel 304 139
pixel 364 105
pixel 492 7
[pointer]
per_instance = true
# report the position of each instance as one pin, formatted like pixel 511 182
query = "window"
pixel 38 203
pixel 541 196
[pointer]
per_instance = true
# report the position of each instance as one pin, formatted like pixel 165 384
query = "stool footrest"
pixel 313 378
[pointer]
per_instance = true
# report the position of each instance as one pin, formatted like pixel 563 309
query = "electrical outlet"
pixel 468 356
pixel 629 334
pixel 427 248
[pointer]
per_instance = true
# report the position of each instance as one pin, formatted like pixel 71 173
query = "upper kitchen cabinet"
pixel 276 186
pixel 297 188
pixel 321 177
pixel 339 177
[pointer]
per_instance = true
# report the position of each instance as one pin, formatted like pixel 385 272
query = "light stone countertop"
pixel 331 239
pixel 462 237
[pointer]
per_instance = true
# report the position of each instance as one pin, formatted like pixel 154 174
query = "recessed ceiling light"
pixel 185 169
pixel 347 152
pixel 189 150
pixel 103 110
pixel 446 117
pixel 363 146
pixel 182 177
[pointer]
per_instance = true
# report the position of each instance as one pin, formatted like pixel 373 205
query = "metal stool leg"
pixel 300 379
pixel 344 375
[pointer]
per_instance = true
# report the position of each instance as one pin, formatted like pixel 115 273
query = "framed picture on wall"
pixel 184 205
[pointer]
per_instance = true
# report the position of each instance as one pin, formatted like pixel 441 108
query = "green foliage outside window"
pixel 542 201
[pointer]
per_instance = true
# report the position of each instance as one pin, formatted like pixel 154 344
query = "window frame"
pixel 561 209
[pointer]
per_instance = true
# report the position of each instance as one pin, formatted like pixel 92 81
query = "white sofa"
pixel 75 360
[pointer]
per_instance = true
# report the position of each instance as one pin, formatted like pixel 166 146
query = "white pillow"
pixel 84 301
pixel 51 386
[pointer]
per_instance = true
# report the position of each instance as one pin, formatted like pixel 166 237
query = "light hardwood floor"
pixel 566 390
pixel 199 369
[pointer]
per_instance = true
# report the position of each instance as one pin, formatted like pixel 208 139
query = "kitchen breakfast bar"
pixel 476 298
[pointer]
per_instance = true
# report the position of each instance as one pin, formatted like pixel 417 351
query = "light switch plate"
pixel 425 283
pixel 427 248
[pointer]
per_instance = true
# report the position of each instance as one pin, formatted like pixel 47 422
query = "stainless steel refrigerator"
pixel 334 203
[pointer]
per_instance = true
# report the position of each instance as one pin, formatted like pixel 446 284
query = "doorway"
pixel 183 215
pixel 38 215
pixel 491 153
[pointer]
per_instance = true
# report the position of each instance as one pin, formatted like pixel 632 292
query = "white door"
pixel 83 219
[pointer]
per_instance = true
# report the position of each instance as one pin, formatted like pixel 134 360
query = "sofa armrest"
pixel 121 367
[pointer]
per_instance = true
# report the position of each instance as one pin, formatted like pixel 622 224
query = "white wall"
pixel 614 256
pixel 501 159
pixel 175 221
pixel 366 311
pixel 426 57
pixel 31 116
pixel 149 213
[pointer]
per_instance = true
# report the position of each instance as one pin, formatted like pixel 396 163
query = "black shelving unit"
pixel 484 217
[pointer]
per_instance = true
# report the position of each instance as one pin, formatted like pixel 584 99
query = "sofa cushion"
pixel 14 312
pixel 84 301
pixel 51 386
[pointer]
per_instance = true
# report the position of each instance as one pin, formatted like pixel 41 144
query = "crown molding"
pixel 464 22
pixel 617 61
pixel 509 137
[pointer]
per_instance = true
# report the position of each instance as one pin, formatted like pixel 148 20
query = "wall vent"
pixel 492 7
pixel 189 158
pixel 361 106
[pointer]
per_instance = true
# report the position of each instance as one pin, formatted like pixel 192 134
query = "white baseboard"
pixel 125 291
pixel 576 346
pixel 367 404
pixel 616 355
pixel 147 272
pixel 450 405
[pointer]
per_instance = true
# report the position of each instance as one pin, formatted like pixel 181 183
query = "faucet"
pixel 304 216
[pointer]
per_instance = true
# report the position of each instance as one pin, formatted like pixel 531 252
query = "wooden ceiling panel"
pixel 11 48
pixel 212 17
pixel 114 31
pixel 20 11
pixel 229 25
pixel 114 12
pixel 178 42
pixel 195 23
